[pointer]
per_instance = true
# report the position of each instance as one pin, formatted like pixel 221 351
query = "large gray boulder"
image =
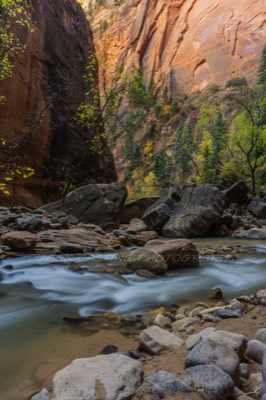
pixel 237 193
pixel 99 204
pixel 214 383
pixel 159 213
pixel 258 207
pixel 208 352
pixel 199 209
pixel 109 377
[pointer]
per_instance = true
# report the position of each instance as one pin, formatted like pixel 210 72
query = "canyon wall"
pixel 42 98
pixel 183 44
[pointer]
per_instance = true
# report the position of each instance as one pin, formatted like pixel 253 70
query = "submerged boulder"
pixel 98 204
pixel 199 209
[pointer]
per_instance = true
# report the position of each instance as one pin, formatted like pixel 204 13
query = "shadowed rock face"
pixel 187 44
pixel 42 98
pixel 199 208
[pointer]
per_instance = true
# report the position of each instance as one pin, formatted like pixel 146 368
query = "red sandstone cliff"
pixel 42 97
pixel 185 44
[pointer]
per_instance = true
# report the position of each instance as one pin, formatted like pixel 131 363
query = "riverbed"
pixel 37 292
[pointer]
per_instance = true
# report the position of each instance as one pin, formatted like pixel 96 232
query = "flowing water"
pixel 38 291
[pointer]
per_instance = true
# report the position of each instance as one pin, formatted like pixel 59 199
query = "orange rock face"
pixel 42 98
pixel 186 44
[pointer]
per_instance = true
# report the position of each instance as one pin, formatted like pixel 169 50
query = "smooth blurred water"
pixel 40 290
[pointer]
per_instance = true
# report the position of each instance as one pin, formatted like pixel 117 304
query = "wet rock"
pixel 255 350
pixel 210 380
pixel 254 233
pixel 144 273
pixel 142 238
pixel 177 253
pixel 237 193
pixel 70 248
pixel 154 339
pixel 109 377
pixel 20 240
pixel 216 293
pixel 208 352
pixel 199 208
pixel 163 383
pixel 258 207
pixel 145 259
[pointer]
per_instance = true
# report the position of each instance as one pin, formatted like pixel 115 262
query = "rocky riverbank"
pixel 201 352
pixel 173 354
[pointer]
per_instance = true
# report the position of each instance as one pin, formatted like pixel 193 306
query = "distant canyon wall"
pixel 184 44
pixel 42 98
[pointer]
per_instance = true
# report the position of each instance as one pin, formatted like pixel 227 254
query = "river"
pixel 38 291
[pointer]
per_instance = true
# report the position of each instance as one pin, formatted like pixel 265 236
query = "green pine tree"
pixel 262 68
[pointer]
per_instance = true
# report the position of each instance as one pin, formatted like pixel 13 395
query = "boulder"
pixel 177 253
pixel 145 259
pixel 78 238
pixel 255 350
pixel 136 226
pixel 163 383
pixel 237 193
pixel 110 377
pixel 159 213
pixel 253 233
pixel 199 209
pixel 154 340
pixel 100 204
pixel 208 352
pixel 214 383
pixel 20 240
pixel 234 341
pixel 258 207
pixel 142 238
pixel 136 209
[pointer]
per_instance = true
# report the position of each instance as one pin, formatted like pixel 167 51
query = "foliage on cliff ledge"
pixel 217 136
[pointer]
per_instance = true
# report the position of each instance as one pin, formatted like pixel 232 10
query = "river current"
pixel 38 291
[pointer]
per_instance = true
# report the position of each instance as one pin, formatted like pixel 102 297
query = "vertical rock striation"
pixel 42 97
pixel 185 44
